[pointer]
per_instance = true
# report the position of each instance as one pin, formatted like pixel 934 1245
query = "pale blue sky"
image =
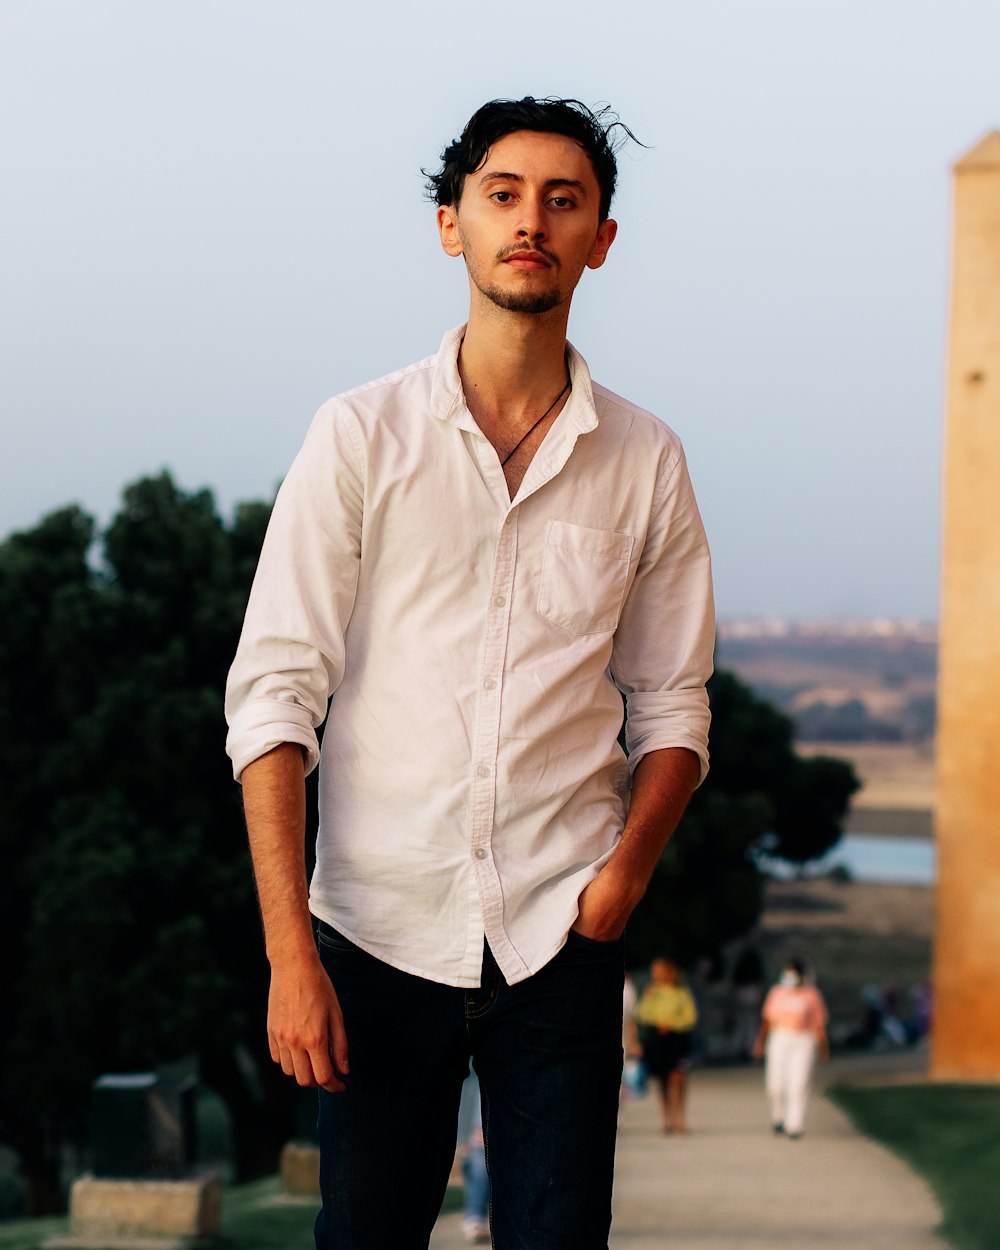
pixel 212 219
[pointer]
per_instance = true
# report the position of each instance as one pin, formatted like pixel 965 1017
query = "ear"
pixel 447 224
pixel 605 237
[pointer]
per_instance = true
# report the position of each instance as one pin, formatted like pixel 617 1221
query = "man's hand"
pixel 605 906
pixel 661 787
pixel 305 1027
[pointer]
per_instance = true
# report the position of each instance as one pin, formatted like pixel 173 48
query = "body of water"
pixel 872 857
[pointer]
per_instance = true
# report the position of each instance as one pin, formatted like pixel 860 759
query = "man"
pixel 475 557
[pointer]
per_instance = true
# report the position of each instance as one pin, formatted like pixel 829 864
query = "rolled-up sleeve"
pixel 290 658
pixel 665 641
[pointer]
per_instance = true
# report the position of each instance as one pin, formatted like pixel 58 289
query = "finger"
pixel 304 1074
pixel 333 1062
pixel 326 1077
pixel 322 1068
pixel 287 1061
pixel 338 1044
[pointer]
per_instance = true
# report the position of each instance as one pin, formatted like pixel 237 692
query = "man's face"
pixel 527 223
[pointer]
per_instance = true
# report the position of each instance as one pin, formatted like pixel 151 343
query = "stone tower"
pixel 966 1039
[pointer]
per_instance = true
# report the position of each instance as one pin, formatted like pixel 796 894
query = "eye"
pixel 501 197
pixel 561 201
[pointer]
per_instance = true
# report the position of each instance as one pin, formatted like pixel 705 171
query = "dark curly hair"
pixel 600 134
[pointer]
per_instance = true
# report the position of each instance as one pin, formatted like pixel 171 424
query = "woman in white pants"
pixel 792 1036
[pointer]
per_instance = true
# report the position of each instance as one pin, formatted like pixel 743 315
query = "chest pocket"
pixel 584 575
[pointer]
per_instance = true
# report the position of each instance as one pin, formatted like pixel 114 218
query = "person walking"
pixel 666 1016
pixel 469 564
pixel 471 1151
pixel 792 1036
pixel 748 992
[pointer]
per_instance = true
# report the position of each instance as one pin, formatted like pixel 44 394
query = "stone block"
pixel 300 1170
pixel 118 1210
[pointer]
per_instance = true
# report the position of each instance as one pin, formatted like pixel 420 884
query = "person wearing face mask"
pixel 792 1036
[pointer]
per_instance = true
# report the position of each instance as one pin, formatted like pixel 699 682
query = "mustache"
pixel 514 248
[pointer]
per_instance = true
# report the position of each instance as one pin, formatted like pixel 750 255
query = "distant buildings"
pixel 840 681
pixel 880 627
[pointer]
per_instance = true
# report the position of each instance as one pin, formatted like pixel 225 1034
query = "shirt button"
pixel 483 771
pixel 499 601
pixel 480 853
pixel 508 518
pixel 490 684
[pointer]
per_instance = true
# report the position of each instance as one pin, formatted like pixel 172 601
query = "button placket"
pixel 487 725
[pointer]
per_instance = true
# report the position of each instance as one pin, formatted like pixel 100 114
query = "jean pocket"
pixel 584 577
pixel 582 942
pixel 330 939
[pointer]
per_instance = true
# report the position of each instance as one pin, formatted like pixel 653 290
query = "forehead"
pixel 539 154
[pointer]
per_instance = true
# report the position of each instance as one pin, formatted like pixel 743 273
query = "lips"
pixel 527 260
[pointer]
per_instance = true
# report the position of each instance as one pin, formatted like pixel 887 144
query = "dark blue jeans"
pixel 548 1055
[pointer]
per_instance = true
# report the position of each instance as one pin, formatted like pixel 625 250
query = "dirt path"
pixel 732 1185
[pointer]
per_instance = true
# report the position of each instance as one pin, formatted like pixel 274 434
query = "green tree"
pixel 45 595
pixel 759 796
pixel 130 910
pixel 127 911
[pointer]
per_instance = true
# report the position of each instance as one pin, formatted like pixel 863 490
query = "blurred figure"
pixel 472 1156
pixel 869 1026
pixel 748 990
pixel 880 1024
pixel 920 997
pixel 892 1024
pixel 699 982
pixel 792 1035
pixel 666 1016
pixel 633 1072
pixel 630 1000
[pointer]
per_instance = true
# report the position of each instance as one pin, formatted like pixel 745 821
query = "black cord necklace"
pixel 534 426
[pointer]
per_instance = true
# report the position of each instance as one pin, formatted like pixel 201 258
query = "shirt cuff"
pixel 657 720
pixel 261 727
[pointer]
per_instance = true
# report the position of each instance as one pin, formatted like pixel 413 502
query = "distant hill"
pixel 866 681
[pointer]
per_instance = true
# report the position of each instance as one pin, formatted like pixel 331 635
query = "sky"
pixel 212 219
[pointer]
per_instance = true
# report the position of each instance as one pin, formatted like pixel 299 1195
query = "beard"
pixel 512 300
pixel 522 301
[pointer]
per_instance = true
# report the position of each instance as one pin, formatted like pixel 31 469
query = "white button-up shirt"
pixel 476 648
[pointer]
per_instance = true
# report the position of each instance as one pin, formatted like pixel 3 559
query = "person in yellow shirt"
pixel 666 1016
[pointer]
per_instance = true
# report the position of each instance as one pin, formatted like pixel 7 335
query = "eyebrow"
pixel 502 175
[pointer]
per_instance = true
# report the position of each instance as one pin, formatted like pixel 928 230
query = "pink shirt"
pixel 801 1008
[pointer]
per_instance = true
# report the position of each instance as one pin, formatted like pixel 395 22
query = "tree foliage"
pixel 127 910
pixel 759 796
pixel 128 916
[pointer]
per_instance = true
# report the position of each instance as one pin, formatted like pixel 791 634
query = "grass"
pixel 950 1134
pixel 29 1234
pixel 254 1217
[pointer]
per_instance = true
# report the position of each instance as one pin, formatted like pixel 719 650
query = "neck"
pixel 511 363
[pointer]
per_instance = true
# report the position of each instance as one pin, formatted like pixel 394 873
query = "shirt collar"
pixel 448 399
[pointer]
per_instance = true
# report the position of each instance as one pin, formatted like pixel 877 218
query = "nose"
pixel 531 224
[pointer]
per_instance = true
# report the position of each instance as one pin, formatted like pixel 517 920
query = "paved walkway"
pixel 731 1185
